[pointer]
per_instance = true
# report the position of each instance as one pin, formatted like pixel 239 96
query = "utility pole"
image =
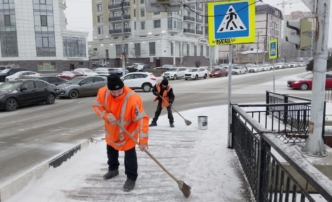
pixel 314 144
pixel 124 56
pixel 257 48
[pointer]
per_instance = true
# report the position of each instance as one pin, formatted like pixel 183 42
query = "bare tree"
pixel 93 53
pixel 287 51
pixel 137 55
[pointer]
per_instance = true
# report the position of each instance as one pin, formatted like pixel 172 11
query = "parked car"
pixel 140 80
pixel 107 71
pixel 21 75
pixel 196 73
pixel 14 94
pixel 305 82
pixel 86 72
pixel 53 80
pixel 253 68
pixel 239 70
pixel 175 73
pixel 218 72
pixel 68 75
pixel 81 86
pixel 166 67
pixel 8 72
pixel 4 67
pixel 280 66
pixel 142 67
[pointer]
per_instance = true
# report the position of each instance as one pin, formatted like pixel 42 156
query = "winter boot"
pixel 129 185
pixel 153 124
pixel 171 125
pixel 110 174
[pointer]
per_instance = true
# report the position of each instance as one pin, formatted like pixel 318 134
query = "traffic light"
pixel 302 38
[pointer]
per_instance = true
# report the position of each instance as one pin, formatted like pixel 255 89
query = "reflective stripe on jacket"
pixel 164 95
pixel 128 110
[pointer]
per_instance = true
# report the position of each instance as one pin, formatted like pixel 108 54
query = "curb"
pixel 12 187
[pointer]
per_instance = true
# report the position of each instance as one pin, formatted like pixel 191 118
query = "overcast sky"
pixel 79 14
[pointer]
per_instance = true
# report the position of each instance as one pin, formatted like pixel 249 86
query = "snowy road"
pixel 31 135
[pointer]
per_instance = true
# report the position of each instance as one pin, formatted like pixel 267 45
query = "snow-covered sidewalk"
pixel 198 157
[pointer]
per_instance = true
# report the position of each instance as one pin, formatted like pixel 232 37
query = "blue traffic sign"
pixel 232 22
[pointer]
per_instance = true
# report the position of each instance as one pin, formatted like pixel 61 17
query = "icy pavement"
pixel 198 157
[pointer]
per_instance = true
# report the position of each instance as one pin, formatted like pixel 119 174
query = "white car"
pixel 140 80
pixel 22 75
pixel 196 73
pixel 239 70
pixel 175 73
pixel 86 72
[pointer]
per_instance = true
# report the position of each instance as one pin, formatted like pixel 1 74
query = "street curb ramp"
pixel 13 186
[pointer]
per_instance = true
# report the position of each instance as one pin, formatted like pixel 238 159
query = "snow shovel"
pixel 186 189
pixel 185 120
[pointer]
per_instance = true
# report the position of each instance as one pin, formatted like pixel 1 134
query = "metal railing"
pixel 186 30
pixel 117 6
pixel 288 114
pixel 119 31
pixel 189 18
pixel 268 178
pixel 119 18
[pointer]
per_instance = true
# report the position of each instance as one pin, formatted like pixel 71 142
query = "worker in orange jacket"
pixel 118 104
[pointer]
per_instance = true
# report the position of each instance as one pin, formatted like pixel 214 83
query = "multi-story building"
pixel 33 35
pixel 268 26
pixel 152 38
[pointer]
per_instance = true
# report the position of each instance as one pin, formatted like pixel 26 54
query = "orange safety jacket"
pixel 128 110
pixel 164 95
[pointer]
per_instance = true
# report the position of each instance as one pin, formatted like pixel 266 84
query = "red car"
pixel 69 75
pixel 218 72
pixel 305 82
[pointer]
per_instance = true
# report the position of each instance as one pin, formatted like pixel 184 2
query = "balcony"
pixel 118 6
pixel 199 32
pixel 199 20
pixel 188 18
pixel 189 31
pixel 119 31
pixel 118 18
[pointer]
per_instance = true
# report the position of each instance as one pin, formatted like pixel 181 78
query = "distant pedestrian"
pixel 162 89
pixel 118 104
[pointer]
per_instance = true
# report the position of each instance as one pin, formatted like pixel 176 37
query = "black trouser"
pixel 130 161
pixel 158 111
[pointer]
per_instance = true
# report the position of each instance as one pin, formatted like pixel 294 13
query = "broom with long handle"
pixel 182 186
pixel 185 120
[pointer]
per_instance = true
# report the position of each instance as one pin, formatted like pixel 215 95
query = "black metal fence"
pixel 268 178
pixel 296 116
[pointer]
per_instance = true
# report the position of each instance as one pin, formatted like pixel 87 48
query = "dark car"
pixel 218 72
pixel 53 80
pixel 9 72
pixel 14 94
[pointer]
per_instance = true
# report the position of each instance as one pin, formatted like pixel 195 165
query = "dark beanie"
pixel 114 82
pixel 164 82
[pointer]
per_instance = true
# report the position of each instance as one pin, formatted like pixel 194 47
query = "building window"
pixel 42 1
pixel 99 7
pixel 201 50
pixel 7 20
pixel 118 50
pixel 126 49
pixel 45 42
pixel 74 46
pixel 142 1
pixel 100 19
pixel 100 30
pixel 134 25
pixel 156 13
pixel 152 48
pixel 134 2
pixel 188 49
pixel 43 20
pixel 6 1
pixel 156 23
pixel 106 53
pixel 46 66
pixel 142 13
pixel 195 50
pixel 207 50
pixel 134 12
pixel 137 49
pixel 172 48
pixel 142 25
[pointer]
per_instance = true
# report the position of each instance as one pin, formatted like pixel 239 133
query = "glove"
pixel 170 103
pixel 111 118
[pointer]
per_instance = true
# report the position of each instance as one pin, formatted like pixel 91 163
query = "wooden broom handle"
pixel 150 155
pixel 171 106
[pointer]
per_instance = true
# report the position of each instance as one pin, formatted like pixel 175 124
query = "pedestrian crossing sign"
pixel 273 49
pixel 231 22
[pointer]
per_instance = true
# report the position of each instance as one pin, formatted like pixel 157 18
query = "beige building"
pixel 151 38
pixel 268 26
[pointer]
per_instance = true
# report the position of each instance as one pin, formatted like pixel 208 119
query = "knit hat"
pixel 164 82
pixel 114 82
